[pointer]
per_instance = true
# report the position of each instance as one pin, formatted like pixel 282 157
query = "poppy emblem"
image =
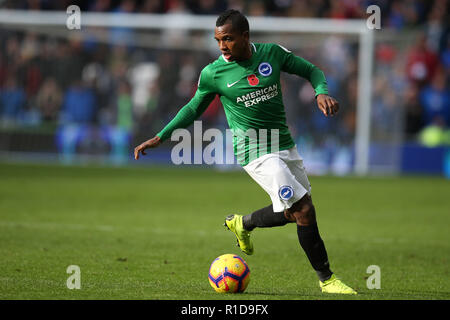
pixel 253 80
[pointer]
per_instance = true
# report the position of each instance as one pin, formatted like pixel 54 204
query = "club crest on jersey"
pixel 286 192
pixel 265 69
pixel 253 80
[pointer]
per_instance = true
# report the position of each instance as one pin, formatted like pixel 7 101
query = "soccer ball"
pixel 229 273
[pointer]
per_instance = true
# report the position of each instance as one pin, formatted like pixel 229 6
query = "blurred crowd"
pixel 46 80
pixel 396 13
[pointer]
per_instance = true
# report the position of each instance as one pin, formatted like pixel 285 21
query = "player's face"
pixel 234 45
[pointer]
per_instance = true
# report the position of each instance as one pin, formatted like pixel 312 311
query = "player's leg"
pixel 264 173
pixel 241 226
pixel 304 214
pixel 270 172
pixel 265 218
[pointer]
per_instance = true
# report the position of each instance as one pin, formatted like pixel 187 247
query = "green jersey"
pixel 250 92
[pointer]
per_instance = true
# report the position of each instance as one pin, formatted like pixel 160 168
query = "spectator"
pixel 151 6
pixel 101 6
pixel 413 109
pixel 79 105
pixel 123 36
pixel 49 100
pixel 396 17
pixel 421 62
pixel 119 135
pixel 124 107
pixel 256 8
pixel 417 83
pixel 435 99
pixel 211 7
pixel 12 101
pixel 435 28
pixel 445 56
pixel 3 69
pixel 300 9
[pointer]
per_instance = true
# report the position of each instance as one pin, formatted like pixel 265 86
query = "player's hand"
pixel 152 143
pixel 328 105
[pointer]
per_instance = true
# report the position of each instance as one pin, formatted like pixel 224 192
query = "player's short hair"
pixel 238 21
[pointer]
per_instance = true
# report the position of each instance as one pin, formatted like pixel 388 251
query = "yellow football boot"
pixel 334 285
pixel 234 223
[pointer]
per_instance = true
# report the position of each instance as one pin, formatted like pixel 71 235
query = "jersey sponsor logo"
pixel 265 69
pixel 229 85
pixel 253 80
pixel 257 96
pixel 286 192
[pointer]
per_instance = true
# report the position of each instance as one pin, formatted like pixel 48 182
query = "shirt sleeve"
pixel 303 68
pixel 204 95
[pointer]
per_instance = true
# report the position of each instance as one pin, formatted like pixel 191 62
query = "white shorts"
pixel 282 175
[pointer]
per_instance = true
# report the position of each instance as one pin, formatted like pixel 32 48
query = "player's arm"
pixel 186 116
pixel 303 68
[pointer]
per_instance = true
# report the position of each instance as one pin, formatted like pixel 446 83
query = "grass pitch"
pixel 152 233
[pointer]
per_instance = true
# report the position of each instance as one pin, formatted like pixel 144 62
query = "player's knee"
pixel 306 215
pixel 303 212
pixel 289 216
